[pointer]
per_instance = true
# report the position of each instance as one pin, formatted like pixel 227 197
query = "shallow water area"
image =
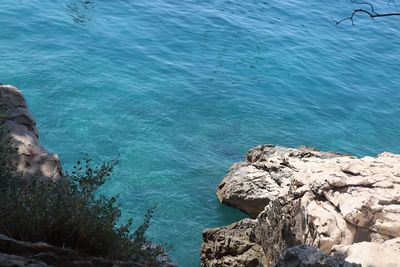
pixel 179 90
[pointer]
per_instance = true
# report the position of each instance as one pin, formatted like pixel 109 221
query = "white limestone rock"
pixel 322 199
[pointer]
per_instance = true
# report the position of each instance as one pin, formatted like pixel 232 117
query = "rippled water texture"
pixel 179 90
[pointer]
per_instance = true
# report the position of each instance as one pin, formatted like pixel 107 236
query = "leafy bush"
pixel 70 213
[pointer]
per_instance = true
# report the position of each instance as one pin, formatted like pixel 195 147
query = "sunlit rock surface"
pixel 322 199
pixel 371 253
pixel 32 160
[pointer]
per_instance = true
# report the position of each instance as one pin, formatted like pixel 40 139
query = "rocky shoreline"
pixel 33 161
pixel 304 202
pixel 307 207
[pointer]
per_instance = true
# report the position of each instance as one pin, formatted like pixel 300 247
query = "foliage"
pixel 70 212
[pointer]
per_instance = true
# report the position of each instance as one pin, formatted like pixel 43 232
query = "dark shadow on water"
pixel 80 10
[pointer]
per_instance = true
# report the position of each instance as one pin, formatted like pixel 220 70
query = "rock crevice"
pixel 327 200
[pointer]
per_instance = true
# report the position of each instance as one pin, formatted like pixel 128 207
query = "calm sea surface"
pixel 179 90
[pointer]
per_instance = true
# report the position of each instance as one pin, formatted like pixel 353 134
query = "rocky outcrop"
pixel 265 175
pixel 32 160
pixel 322 199
pixel 16 253
pixel 371 253
pixel 232 245
pixel 307 256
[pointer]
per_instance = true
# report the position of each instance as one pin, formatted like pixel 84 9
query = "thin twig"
pixel 371 13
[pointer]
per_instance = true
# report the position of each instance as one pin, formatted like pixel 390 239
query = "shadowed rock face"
pixel 16 253
pixel 327 200
pixel 306 256
pixel 32 160
pixel 233 245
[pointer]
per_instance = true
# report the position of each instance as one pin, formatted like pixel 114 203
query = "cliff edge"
pixel 347 207
pixel 31 159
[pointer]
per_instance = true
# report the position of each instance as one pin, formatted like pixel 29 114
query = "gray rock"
pixel 266 174
pixel 307 256
pixel 27 254
pixel 231 246
pixel 32 160
pixel 7 260
pixel 321 199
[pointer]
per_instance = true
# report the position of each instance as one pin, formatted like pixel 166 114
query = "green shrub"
pixel 70 213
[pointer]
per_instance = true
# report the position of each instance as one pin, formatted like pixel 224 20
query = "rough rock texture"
pixel 23 254
pixel 323 199
pixel 233 245
pixel 266 174
pixel 371 254
pixel 32 159
pixel 306 256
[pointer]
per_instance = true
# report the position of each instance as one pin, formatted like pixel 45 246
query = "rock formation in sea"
pixel 346 207
pixel 32 160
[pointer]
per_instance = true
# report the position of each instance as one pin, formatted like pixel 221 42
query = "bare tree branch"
pixel 371 13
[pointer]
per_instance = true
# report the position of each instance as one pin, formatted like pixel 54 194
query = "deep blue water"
pixel 179 90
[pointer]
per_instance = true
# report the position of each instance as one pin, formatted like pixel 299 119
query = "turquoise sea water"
pixel 179 90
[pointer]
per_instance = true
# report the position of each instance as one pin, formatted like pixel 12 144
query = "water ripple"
pixel 178 90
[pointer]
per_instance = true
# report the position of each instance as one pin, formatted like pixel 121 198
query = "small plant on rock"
pixel 70 212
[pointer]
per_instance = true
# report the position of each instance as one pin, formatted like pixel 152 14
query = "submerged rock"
pixel 322 199
pixel 32 160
